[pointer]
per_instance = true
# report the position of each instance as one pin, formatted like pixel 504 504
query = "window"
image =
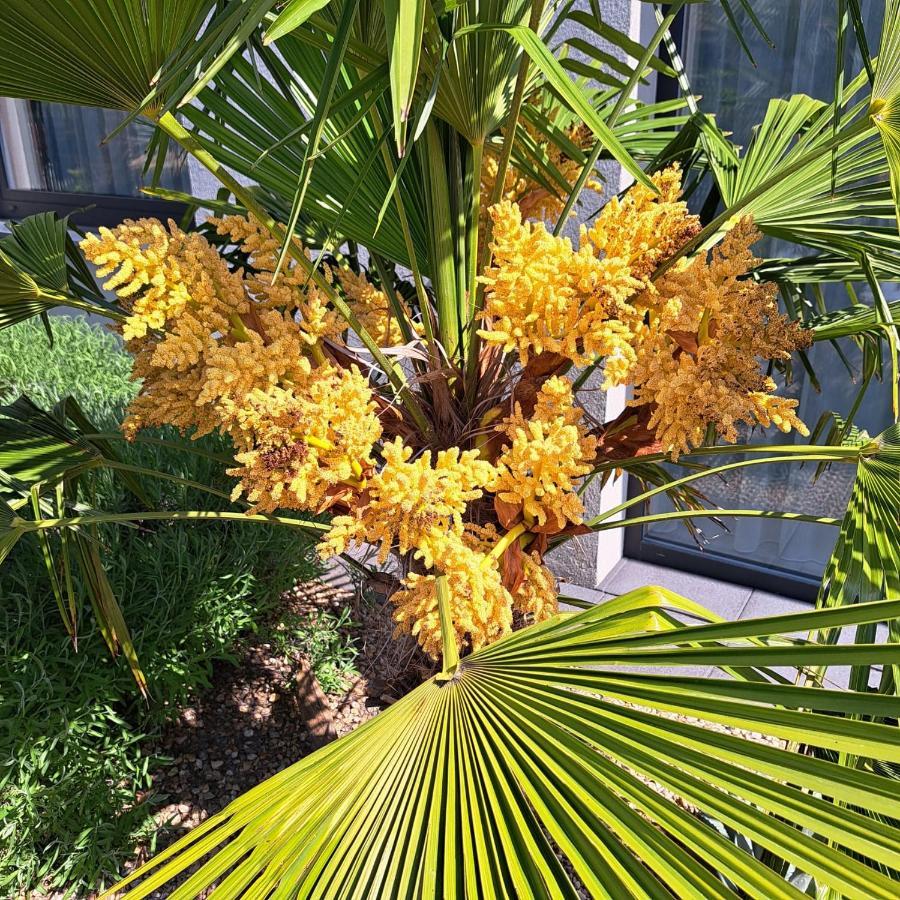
pixel 788 557
pixel 52 158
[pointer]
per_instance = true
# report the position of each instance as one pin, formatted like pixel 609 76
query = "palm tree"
pixel 529 767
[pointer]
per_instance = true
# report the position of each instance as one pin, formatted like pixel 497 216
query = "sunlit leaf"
pixel 885 106
pixel 404 21
pixel 546 746
pixel 92 52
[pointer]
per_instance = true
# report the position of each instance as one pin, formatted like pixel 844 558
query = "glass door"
pixel 787 557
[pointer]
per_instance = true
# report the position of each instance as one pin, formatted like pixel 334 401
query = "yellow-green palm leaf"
pixel 885 107
pixel 92 52
pixel 549 746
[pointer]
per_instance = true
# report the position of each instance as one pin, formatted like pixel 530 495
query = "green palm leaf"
pixel 92 52
pixel 404 22
pixel 292 15
pixel 43 457
pixel 572 94
pixel 545 747
pixel 9 536
pixel 866 561
pixel 885 106
pixel 855 214
pixel 37 263
pixel 865 564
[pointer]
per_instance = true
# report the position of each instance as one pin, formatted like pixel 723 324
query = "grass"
pixel 74 763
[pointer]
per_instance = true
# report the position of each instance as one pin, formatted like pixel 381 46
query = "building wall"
pixel 588 559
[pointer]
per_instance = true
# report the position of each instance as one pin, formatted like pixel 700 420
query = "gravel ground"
pixel 253 721
pixel 248 726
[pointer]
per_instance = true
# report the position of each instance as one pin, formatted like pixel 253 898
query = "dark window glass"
pixel 802 62
pixel 52 147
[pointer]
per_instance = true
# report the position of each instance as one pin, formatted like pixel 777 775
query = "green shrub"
pixel 323 637
pixel 72 728
pixel 86 362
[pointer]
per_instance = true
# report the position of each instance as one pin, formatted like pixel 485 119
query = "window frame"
pixel 83 209
pixel 639 545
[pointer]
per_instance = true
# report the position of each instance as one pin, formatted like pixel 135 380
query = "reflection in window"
pixel 55 147
pixel 802 62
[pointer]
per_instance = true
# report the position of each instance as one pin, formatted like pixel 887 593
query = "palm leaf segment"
pixel 866 562
pixel 41 268
pixel 544 747
pixel 885 106
pixel 32 268
pixel 110 59
pixel 43 457
pixel 855 215
pixel 866 558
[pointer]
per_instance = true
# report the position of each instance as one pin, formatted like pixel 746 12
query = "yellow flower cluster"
pixel 708 325
pixel 545 455
pixel 260 357
pixel 293 290
pixel 537 597
pixel 157 272
pixel 544 296
pixel 534 200
pixel 480 606
pixel 417 506
pixel 221 350
pixel 305 447
pixel 413 504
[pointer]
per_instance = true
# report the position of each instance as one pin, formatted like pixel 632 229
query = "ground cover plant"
pixel 74 754
pixel 383 321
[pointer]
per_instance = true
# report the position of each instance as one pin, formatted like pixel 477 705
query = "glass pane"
pixel 54 147
pixel 803 62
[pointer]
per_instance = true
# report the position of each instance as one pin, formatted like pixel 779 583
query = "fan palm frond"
pixel 534 768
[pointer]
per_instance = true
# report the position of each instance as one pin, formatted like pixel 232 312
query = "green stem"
pixel 473 176
pixel 476 291
pixel 694 476
pixel 509 134
pixel 450 655
pixel 586 373
pixel 443 264
pixel 27 525
pixel 159 442
pixel 716 513
pixel 65 299
pixel 501 546
pixel 837 454
pixel 165 476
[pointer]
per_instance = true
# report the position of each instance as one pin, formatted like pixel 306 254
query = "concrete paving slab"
pixel 726 600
